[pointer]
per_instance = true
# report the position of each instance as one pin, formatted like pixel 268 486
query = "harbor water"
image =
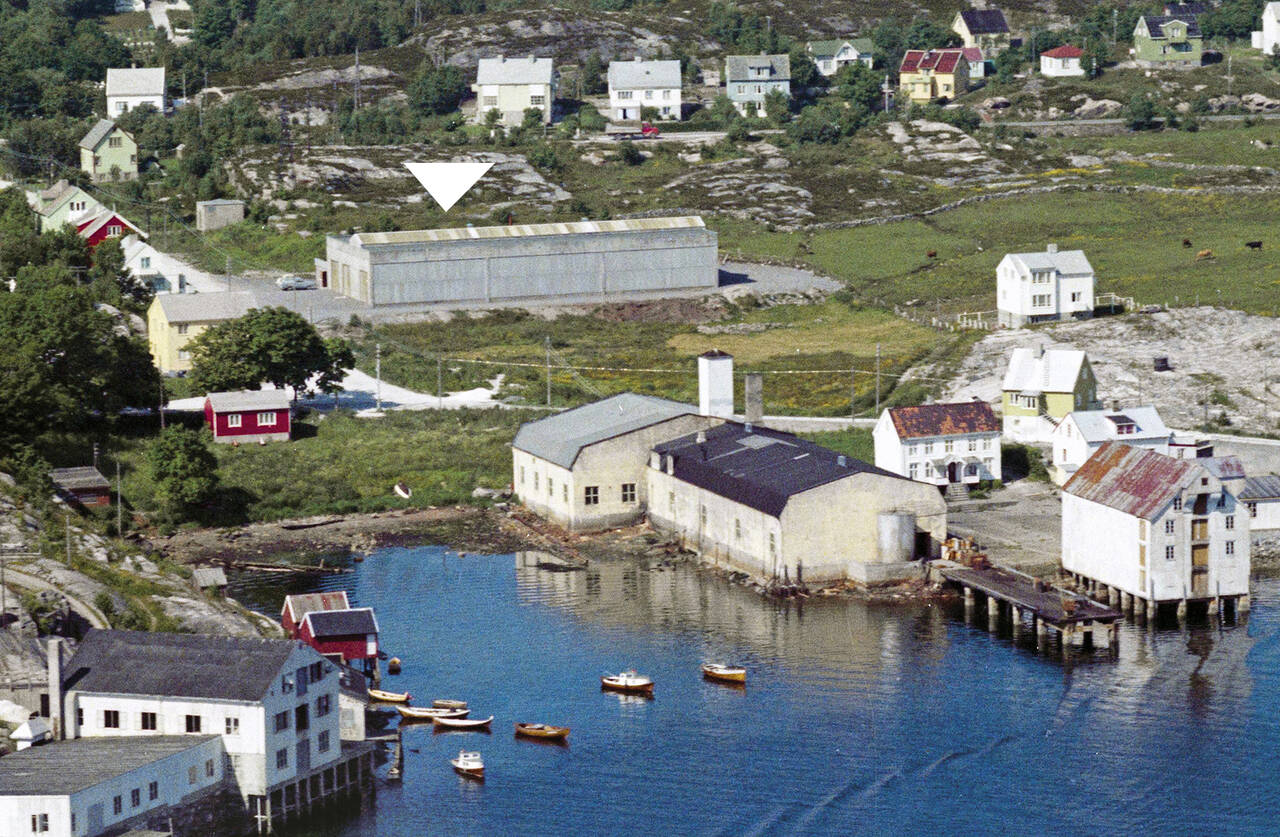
pixel 856 718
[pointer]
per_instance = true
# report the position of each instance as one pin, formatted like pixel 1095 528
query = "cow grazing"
pixel 1204 254
pixel 1253 245
pixel 1186 242
pixel 933 254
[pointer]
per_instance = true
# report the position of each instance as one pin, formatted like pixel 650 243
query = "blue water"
pixel 857 718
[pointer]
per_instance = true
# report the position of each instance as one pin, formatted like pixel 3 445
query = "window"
pixel 193 723
pixel 564 492
pixel 928 448
pixel 535 482
pixel 324 705
pixel 737 529
pixel 111 718
pixel 522 475
pixel 147 721
pixel 183 328
pixel 282 721
pixel 192 773
pixel 1253 509
pixel 1143 530
pixel 153 791
pixel 208 767
pixel 317 672
pixel 987 463
pixel 39 823
pixel 114 230
pixel 1230 547
pixel 145 262
pixel 115 142
pixel 183 354
pixel 1177 504
pixel 911 449
pixel 773 545
pixel 77 206
pixel 282 758
pixel 1040 301
pixel 1168 526
pixel 625 94
pixel 1075 296
pixel 117 803
pixel 928 470
pixel 1222 501
pixel 948 446
pixel 79 716
pixel 267 418
pixel 322 742
pixel 973 445
pixel 671 501
pixel 537 101
pixel 233 726
pixel 135 797
pixel 591 495
pixel 648 94
pixel 1168 553
pixel 302 718
pixel 912 470
pixel 491 101
pixel 971 470
pixel 551 487
pixel 233 420
pixel 1204 480
pixel 666 94
pixel 628 492
pixel 1231 521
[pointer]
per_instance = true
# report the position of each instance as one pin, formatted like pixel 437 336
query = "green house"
pixel 1167 41
pixel 108 152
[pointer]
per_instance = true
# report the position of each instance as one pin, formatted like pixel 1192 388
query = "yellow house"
pixel 1041 386
pixel 983 28
pixel 925 75
pixel 174 320
pixel 108 152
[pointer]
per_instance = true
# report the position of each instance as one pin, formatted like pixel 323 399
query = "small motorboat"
pixel 628 682
pixel 389 697
pixel 445 722
pixel 724 673
pixel 403 490
pixel 419 713
pixel 545 732
pixel 393 665
pixel 449 704
pixel 469 765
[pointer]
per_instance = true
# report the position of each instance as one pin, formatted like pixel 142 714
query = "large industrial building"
pixel 582 261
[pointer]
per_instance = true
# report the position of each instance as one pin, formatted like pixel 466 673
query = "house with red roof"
pixel 926 75
pixel 977 62
pixel 940 444
pixel 104 225
pixel 1143 529
pixel 1062 61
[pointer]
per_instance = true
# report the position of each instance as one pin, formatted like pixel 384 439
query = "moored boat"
pixel 628 682
pixel 389 697
pixel 403 490
pixel 724 673
pixel 461 723
pixel 469 765
pixel 545 732
pixel 393 665
pixel 419 713
pixel 449 704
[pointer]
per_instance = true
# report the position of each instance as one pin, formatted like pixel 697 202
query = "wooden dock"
pixel 1051 608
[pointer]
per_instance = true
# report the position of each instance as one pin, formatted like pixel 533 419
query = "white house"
pixel 1062 61
pixel 1268 37
pixel 1082 432
pixel 1042 287
pixel 940 444
pixel 93 786
pixel 1041 386
pixel 513 85
pixel 1157 529
pixel 644 84
pixel 131 88
pixel 830 56
pixel 274 702
pixel 1261 496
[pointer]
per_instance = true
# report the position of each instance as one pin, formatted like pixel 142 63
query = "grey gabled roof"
pixel 209 577
pixel 1066 262
pixel 135 81
pixel 65 767
pixel 739 67
pixel 1098 425
pixel 211 307
pixel 248 400
pixel 356 620
pixel 1265 487
pixel 97 134
pixel 85 476
pixel 560 438
pixel 176 665
pixel 503 70
pixel 644 75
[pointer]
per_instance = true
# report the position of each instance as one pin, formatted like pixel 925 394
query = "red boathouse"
pixel 299 605
pixel 347 635
pixel 248 416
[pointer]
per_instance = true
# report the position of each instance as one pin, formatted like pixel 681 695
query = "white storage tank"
pixel 897 536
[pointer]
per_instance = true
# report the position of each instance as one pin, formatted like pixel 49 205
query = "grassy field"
pixel 246 247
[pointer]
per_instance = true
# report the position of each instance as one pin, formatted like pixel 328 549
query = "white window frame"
pixel 267 419
pixel 234 420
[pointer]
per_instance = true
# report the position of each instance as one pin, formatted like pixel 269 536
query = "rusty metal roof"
pixel 300 604
pixel 1136 481
pixel 944 419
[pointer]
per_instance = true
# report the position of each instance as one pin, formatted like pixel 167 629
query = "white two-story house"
pixel 1156 528
pixel 1082 432
pixel 1043 287
pixel 132 87
pixel 635 85
pixel 940 444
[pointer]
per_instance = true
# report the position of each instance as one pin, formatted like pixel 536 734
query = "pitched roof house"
pixel 347 635
pixel 129 88
pixel 1261 496
pixel 1168 41
pixel 925 75
pixel 644 84
pixel 1043 287
pixel 1062 61
pixel 106 224
pixel 749 79
pixel 940 444
pixel 174 320
pixel 108 152
pixel 64 203
pixel 248 416
pixel 1268 37
pixel 984 28
pixel 85 485
pixel 1082 432
pixel 1041 386
pixel 298 605
pixel 511 86
pixel 830 56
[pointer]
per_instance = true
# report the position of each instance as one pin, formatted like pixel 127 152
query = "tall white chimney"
pixel 55 689
pixel 715 384
pixel 1052 248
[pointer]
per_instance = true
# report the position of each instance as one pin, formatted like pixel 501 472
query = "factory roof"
pixel 758 467
pixel 367 239
pixel 560 438
pixel 66 767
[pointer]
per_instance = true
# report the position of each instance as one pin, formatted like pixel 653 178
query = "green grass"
pixel 127 23
pixel 248 248
pixel 855 442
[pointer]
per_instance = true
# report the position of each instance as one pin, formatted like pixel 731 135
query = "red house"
pixel 106 224
pixel 300 604
pixel 348 635
pixel 249 416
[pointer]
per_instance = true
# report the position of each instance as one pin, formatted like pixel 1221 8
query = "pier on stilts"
pixel 1051 609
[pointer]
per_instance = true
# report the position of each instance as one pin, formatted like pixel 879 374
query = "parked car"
pixel 295 283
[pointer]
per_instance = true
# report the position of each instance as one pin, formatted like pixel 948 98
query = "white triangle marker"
pixel 448 182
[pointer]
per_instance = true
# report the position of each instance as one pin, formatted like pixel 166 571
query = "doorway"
pixel 953 472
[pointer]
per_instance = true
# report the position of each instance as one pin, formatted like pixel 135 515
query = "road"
pixel 1062 123
pixel 31 582
pixel 159 11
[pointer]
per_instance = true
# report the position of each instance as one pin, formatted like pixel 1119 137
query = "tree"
pixel 1233 20
pixel 629 154
pixel 437 90
pixel 804 73
pixel 182 467
pixel 923 33
pixel 593 75
pixel 266 345
pixel 777 107
pixel 1141 112
pixel 112 283
pixel 859 84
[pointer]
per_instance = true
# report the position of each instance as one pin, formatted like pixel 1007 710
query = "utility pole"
pixel 67 517
pixel 1230 78
pixel 95 456
pixel 1115 16
pixel 440 383
pixel 877 380
pixel 357 86
pixel 119 504
pixel 853 394
pixel 548 344
pixel 162 405
pixel 377 371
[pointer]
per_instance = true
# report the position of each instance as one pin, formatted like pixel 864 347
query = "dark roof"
pixel 70 479
pixel 1156 23
pixel 209 577
pixel 101 129
pixel 758 467
pixel 359 620
pixel 938 60
pixel 65 767
pixel 1182 9
pixel 944 419
pixel 1136 481
pixel 984 21
pixel 1266 487
pixel 176 665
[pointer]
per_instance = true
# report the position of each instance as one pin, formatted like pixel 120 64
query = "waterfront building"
pixel 298 605
pixel 1081 432
pixel 110 785
pixel 784 509
pixel 1261 497
pixel 515 264
pixel 1044 287
pixel 941 444
pixel 1156 529
pixel 585 468
pixel 248 416
pixel 348 636
pixel 1040 387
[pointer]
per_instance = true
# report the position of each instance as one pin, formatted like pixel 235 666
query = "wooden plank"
pixel 1023 591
